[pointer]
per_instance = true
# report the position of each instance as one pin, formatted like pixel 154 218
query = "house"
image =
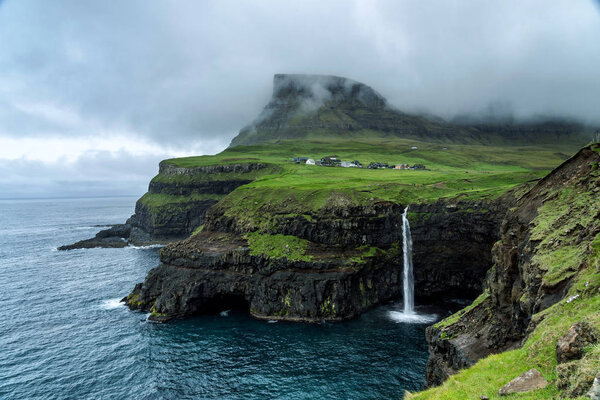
pixel 310 161
pixel 377 165
pixel 414 148
pixel 402 166
pixel 351 164
pixel 418 166
pixel 330 161
pixel 299 160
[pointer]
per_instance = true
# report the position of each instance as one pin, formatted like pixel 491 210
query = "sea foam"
pixel 411 318
pixel 111 304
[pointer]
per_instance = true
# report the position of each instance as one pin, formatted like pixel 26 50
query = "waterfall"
pixel 407 278
pixel 409 316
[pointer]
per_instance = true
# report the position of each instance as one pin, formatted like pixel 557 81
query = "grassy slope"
pixel 491 373
pixel 465 171
pixel 472 171
pixel 561 256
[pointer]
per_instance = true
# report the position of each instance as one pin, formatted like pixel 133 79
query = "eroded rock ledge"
pixel 215 271
pixel 353 261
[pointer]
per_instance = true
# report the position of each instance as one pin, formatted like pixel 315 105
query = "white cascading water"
pixel 407 278
pixel 409 315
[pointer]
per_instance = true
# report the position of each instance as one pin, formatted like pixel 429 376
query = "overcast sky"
pixel 94 93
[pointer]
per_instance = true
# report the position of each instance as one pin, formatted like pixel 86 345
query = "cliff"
pixel 331 265
pixel 544 279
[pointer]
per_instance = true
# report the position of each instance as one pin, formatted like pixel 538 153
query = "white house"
pixel 310 161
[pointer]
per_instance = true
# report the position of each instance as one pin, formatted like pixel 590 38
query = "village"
pixel 334 161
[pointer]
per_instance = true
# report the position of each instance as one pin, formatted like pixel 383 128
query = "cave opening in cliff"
pixel 223 303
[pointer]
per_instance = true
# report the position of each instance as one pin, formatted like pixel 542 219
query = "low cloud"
pixel 187 74
pixel 95 173
pixel 181 72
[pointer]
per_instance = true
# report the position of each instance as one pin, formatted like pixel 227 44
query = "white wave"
pixel 111 304
pixel 411 318
pixel 150 246
pixel 224 313
pixel 272 321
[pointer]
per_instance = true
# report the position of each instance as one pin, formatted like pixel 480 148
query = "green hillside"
pixel 468 171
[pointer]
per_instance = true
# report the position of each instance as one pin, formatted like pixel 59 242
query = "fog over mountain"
pixel 93 94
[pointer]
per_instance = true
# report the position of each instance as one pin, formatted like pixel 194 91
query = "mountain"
pixel 322 106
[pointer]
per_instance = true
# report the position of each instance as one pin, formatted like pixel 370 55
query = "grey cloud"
pixel 184 71
pixel 95 173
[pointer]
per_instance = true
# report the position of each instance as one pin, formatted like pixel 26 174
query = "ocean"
pixel 65 335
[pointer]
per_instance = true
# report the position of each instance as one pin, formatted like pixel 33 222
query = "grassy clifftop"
pixel 465 171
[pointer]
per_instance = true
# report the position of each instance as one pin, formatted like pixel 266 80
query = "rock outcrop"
pixel 557 216
pixel 116 236
pixel 216 271
pixel 571 345
pixel 526 382
pixel 452 243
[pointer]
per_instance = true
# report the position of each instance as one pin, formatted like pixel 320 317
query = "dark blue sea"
pixel 64 334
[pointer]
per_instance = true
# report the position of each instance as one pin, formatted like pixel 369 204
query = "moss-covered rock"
pixel 544 279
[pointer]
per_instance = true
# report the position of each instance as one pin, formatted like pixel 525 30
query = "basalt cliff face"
pixel 545 263
pixel 352 261
pixel 189 193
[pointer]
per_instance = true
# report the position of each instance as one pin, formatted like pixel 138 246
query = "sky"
pixel 93 94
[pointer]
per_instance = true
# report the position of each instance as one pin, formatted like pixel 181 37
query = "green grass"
pixel 365 252
pixel 201 177
pixel 393 151
pixel 466 172
pixel 559 264
pixel 553 213
pixel 278 246
pixel 456 316
pixel 197 230
pixel 161 199
pixel 489 374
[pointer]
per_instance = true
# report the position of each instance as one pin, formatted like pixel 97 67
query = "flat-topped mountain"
pixel 322 106
pixel 305 106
